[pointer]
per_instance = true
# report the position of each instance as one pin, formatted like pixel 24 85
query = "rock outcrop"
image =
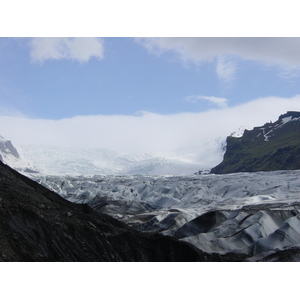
pixel 10 156
pixel 273 146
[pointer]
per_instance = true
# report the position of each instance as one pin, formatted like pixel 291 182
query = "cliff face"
pixel 10 156
pixel 39 225
pixel 273 146
pixel 7 148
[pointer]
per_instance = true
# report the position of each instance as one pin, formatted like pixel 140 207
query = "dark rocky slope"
pixel 273 146
pixel 39 225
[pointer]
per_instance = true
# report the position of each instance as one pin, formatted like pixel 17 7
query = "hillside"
pixel 273 146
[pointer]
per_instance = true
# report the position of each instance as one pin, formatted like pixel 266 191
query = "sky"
pixel 143 94
pixel 56 78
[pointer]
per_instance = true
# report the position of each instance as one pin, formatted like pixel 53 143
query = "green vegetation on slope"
pixel 274 146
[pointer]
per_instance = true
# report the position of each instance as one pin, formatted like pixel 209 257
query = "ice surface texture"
pixel 250 213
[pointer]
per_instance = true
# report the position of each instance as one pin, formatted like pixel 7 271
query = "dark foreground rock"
pixel 39 225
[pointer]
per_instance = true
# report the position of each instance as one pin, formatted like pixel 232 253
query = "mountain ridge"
pixel 273 146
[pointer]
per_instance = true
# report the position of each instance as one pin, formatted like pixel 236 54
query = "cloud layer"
pixel 79 49
pixel 147 132
pixel 282 52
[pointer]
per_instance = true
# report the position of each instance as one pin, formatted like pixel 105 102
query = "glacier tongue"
pixel 204 193
pixel 250 213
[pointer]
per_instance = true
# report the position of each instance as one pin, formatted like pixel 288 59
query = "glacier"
pixel 255 214
pixel 56 160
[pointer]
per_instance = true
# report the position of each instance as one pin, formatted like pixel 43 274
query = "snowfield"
pixel 54 160
pixel 251 213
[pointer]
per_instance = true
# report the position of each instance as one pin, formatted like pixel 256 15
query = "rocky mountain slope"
pixel 273 146
pixel 10 156
pixel 38 225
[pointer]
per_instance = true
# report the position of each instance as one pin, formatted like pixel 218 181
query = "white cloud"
pixel 220 102
pixel 80 49
pixel 290 74
pixel 282 52
pixel 226 68
pixel 147 132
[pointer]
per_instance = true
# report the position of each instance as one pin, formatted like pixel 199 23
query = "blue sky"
pixel 124 76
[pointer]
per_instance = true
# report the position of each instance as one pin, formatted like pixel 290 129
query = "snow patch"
pixel 239 133
pixel 285 120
